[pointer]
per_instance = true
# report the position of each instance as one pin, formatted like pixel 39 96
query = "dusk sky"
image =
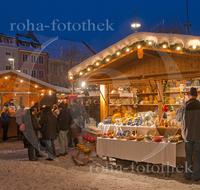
pixel 111 18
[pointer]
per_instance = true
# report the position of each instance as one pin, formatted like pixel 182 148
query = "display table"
pixel 141 130
pixel 141 151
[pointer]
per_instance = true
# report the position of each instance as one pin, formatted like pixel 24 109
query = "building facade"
pixel 8 52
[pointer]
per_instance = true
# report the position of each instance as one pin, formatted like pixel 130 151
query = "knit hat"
pixel 193 92
pixel 61 105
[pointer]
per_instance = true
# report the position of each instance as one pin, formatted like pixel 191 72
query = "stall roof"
pixel 157 38
pixel 33 80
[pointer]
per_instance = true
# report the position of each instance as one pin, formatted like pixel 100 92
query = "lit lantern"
pixel 118 53
pixel 70 77
pixel 178 48
pixel 127 50
pixel 150 43
pixel 139 46
pixel 194 46
pixel 164 46
pixel 6 77
pixel 36 86
pixel 107 59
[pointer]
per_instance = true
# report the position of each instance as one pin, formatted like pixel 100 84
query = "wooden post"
pixel 160 98
pixel 104 101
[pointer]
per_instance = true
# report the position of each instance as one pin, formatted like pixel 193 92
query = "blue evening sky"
pixel 118 12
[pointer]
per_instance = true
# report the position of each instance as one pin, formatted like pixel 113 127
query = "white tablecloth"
pixel 141 151
pixel 141 130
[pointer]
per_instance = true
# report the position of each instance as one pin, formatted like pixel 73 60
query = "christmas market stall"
pixel 143 80
pixel 24 90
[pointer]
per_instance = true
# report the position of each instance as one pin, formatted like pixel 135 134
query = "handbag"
pixel 22 127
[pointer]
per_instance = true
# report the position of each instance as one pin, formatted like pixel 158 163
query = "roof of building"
pixel 27 39
pixel 32 49
pixel 55 46
pixel 157 38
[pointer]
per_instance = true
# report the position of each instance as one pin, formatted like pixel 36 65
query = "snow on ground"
pixel 20 174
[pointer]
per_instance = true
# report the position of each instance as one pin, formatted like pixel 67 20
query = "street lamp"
pixel 135 25
pixel 13 60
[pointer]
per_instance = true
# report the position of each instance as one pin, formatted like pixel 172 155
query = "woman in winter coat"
pixel 49 130
pixel 31 128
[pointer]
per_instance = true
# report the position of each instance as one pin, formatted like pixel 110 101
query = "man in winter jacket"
pixel 189 116
pixel 49 130
pixel 64 124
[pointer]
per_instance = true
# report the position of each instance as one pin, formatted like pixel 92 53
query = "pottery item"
pixel 196 82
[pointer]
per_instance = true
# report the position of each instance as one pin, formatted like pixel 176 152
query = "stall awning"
pixel 134 49
pixel 33 81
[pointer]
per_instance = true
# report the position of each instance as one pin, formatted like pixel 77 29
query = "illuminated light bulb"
pixel 6 77
pixel 42 94
pixel 88 69
pixel 36 86
pixel 50 92
pixel 118 53
pixel 178 48
pixel 21 80
pixel 70 77
pixel 97 63
pixel 150 43
pixel 127 50
pixel 81 73
pixel 107 59
pixel 138 46
pixel 164 46
pixel 194 46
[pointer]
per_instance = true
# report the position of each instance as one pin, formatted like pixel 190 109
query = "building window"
pixel 33 58
pixel 41 60
pixel 36 46
pixel 8 53
pixel 41 74
pixel 34 73
pixel 25 44
pixel 25 71
pixel 8 67
pixel 25 57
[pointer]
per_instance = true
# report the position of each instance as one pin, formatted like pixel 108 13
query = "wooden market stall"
pixel 25 90
pixel 142 72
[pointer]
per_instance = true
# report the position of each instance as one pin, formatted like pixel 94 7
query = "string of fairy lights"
pixel 193 49
pixel 36 86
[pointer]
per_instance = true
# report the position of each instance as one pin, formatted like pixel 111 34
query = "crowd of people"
pixel 40 126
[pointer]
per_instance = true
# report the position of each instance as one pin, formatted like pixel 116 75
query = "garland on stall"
pixel 177 47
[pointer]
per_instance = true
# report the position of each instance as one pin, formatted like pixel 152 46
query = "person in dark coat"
pixel 31 128
pixel 64 124
pixel 97 114
pixel 5 122
pixel 49 130
pixel 189 116
pixel 10 103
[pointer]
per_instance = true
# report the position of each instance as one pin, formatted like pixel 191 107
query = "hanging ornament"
pixel 165 108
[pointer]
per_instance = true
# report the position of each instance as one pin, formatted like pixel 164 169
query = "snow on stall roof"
pixel 57 88
pixel 171 39
pixel 54 46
